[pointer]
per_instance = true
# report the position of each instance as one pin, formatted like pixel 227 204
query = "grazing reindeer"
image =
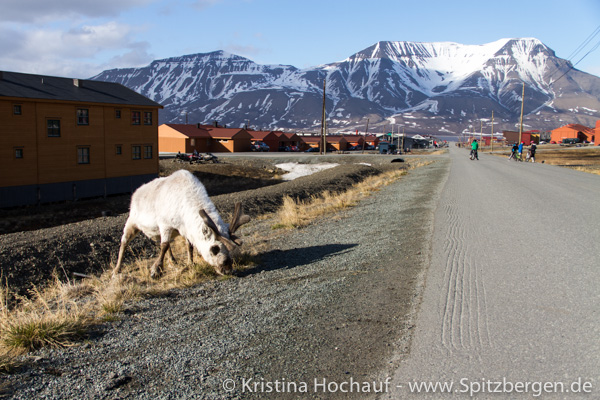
pixel 179 205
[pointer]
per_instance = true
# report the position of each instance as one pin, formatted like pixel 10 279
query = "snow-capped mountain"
pixel 423 87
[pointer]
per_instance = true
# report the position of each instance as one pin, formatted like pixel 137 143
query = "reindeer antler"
pixel 238 219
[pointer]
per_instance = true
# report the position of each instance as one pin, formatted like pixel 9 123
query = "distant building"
pixel 67 139
pixel 270 138
pixel 573 131
pixel 186 138
pixel 512 137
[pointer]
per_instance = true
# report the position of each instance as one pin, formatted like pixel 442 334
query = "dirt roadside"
pixel 331 301
pixel 74 238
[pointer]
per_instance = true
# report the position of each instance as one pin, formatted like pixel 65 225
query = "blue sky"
pixel 80 38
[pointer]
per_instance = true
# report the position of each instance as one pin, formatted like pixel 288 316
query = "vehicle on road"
pixel 259 146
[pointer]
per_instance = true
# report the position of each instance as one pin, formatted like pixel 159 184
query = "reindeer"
pixel 179 205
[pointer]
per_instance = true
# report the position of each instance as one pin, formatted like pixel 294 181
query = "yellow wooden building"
pixel 67 139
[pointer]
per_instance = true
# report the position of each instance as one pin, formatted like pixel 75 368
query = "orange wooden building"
pixel 186 138
pixel 334 143
pixel 183 138
pixel 270 138
pixel 66 139
pixel 573 131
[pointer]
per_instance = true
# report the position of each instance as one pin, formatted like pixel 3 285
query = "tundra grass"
pixel 299 213
pixel 62 313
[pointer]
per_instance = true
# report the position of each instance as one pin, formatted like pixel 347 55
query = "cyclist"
pixel 474 147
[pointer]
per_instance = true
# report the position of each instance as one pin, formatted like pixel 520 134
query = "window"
pixel 135 118
pixel 18 152
pixel 53 127
pixel 192 142
pixel 118 149
pixel 83 155
pixel 17 109
pixel 118 114
pixel 136 152
pixel 147 151
pixel 83 116
pixel 147 117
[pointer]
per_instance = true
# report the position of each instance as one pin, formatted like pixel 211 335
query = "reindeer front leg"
pixel 190 252
pixel 156 270
pixel 165 245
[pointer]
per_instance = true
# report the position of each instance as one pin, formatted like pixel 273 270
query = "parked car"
pixel 259 146
pixel 312 150
pixel 294 148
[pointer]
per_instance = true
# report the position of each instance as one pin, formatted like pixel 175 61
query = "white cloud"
pixel 74 52
pixel 34 11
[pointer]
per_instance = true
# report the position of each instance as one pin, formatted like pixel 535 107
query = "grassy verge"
pixel 298 213
pixel 63 313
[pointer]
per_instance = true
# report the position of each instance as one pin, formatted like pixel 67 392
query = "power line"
pixel 573 65
pixel 577 51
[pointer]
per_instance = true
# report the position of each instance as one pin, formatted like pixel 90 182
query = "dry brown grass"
pixel 298 213
pixel 62 313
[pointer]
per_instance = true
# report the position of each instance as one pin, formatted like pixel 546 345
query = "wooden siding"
pixel 55 159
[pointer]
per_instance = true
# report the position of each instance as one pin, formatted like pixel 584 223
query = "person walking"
pixel 521 151
pixel 474 147
pixel 513 152
pixel 532 150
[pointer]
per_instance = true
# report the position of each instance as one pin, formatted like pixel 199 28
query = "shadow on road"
pixel 286 259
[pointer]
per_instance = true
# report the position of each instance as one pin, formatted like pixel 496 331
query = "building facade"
pixel 67 139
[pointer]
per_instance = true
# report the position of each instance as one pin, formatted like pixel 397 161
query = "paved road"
pixel 513 291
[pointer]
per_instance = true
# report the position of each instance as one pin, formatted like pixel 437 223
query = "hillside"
pixel 437 88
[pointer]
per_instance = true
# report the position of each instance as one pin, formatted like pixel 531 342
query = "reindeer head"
pixel 219 250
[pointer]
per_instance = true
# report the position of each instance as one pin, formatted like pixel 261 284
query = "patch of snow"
pixel 295 170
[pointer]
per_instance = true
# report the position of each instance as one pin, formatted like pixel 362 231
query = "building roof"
pixel 42 87
pixel 188 130
pixel 260 135
pixel 228 133
pixel 578 127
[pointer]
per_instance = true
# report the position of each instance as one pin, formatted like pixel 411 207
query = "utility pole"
pixel 492 138
pixel 403 138
pixel 365 138
pixel 522 103
pixel 481 132
pixel 323 139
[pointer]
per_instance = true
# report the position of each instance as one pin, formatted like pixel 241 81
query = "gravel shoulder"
pixel 333 301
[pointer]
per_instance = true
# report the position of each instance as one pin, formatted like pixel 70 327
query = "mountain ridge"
pixel 425 87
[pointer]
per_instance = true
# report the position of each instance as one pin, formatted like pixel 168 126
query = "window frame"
pixel 136 152
pixel 148 155
pixel 117 113
pixel 136 117
pixel 17 109
pixel 148 118
pixel 19 153
pixel 119 149
pixel 83 155
pixel 83 116
pixel 53 131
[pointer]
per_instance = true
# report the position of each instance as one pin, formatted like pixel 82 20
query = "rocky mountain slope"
pixel 436 88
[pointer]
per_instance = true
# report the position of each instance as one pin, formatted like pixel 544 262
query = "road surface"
pixel 511 301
